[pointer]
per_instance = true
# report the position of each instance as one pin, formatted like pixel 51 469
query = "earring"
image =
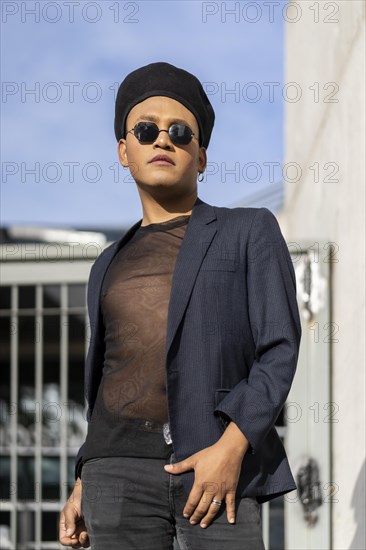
pixel 199 177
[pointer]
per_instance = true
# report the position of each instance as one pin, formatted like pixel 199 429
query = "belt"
pixel 150 426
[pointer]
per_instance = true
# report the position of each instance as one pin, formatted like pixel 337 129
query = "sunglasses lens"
pixel 146 132
pixel 180 134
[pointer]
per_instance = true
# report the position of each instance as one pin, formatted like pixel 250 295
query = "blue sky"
pixel 64 132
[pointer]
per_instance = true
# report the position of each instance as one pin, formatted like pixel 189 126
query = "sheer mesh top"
pixel 134 303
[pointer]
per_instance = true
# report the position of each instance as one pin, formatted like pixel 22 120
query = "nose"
pixel 163 140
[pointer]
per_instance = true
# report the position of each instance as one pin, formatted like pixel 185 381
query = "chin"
pixel 163 180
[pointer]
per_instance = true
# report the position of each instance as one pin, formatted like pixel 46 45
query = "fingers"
pixel 63 537
pixel 214 509
pixel 206 510
pixel 201 508
pixel 180 467
pixel 230 508
pixel 70 520
pixel 194 499
pixel 72 531
pixel 76 540
pixel 84 539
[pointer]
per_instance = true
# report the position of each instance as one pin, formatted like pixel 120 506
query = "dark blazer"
pixel 232 344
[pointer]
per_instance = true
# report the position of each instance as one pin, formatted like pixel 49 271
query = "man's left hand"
pixel 217 470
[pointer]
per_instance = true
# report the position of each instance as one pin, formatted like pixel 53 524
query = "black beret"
pixel 163 79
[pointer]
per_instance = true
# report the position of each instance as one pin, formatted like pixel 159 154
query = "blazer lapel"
pixel 197 239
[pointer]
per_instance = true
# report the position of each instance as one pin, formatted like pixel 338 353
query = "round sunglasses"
pixel 147 132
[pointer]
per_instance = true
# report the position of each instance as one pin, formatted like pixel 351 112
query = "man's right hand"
pixel 72 530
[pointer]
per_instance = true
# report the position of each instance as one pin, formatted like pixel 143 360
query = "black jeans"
pixel 134 504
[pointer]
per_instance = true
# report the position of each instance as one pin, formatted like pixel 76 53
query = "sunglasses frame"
pixel 134 131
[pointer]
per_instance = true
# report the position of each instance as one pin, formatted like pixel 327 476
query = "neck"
pixel 157 211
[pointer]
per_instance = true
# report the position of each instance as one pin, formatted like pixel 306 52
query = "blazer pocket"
pixel 215 264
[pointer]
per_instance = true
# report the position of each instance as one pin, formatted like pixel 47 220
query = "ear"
pixel 202 159
pixel 122 153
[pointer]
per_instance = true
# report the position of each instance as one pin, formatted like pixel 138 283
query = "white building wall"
pixel 334 132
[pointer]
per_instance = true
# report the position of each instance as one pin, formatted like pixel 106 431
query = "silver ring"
pixel 214 501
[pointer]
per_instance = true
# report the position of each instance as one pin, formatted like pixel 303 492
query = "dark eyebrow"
pixel 153 118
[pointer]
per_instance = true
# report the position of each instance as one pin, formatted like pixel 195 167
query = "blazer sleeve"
pixel 79 456
pixel 255 402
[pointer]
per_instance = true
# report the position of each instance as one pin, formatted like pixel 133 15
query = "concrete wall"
pixel 334 132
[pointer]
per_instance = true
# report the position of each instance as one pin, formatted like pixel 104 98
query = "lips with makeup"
pixel 162 160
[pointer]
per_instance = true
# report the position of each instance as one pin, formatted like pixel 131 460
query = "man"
pixel 194 345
